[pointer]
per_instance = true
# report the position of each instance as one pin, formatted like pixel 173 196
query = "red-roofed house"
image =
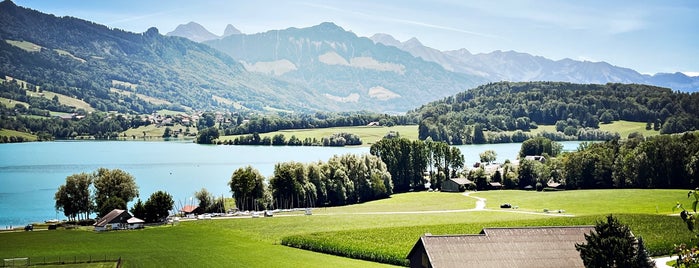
pixel 190 209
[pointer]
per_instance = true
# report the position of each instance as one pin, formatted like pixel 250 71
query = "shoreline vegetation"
pixel 367 134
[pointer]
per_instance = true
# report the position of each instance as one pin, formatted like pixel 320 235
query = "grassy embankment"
pixel 382 230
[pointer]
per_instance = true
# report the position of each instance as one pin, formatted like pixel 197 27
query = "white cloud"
pixel 691 73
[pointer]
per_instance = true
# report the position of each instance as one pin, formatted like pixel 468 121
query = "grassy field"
pixel 588 202
pixel 382 230
pixel 369 135
pixel 10 133
pixel 624 128
pixel 11 103
pixel 70 101
pixel 152 132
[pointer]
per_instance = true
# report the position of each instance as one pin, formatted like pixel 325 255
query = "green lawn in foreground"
pixel 369 135
pixel 386 227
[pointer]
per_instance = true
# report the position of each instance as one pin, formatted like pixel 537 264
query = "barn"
pixel 502 247
pixel 456 185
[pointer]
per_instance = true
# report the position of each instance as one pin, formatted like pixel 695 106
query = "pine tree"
pixel 610 245
pixel 642 259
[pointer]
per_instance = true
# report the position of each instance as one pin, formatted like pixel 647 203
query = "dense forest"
pixel 575 109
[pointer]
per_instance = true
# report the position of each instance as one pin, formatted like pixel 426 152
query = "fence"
pixel 33 261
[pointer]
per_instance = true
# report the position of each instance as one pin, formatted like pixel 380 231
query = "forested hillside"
pixel 506 106
pixel 115 70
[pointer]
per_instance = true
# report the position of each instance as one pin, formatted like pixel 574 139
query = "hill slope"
pixel 85 60
pixel 509 106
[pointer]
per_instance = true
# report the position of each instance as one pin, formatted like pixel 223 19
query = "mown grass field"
pixel 152 132
pixel 369 135
pixel 14 133
pixel 11 103
pixel 624 128
pixel 382 230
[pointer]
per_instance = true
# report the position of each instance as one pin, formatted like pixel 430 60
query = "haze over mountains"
pixel 518 66
pixel 319 68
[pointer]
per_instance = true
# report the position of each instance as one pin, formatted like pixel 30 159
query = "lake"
pixel 30 173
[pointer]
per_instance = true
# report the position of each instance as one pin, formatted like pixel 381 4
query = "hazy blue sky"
pixel 648 36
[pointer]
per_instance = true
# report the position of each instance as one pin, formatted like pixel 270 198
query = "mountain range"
pixel 351 71
pixel 319 68
pixel 197 33
pixel 519 67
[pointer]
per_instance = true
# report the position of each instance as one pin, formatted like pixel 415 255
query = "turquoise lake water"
pixel 30 173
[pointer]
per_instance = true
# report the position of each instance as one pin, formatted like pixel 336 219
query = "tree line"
pixel 107 189
pixel 342 180
pixel 407 161
pixel 657 162
pixel 508 106
pixel 664 161
pixel 236 124
pixel 338 139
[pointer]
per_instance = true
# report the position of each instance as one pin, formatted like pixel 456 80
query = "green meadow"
pixel 379 231
pixel 369 135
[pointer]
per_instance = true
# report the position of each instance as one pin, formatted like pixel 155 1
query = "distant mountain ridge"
pixel 523 67
pixel 348 70
pixel 517 66
pixel 197 33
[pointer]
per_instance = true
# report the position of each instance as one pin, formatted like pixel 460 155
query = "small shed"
pixel 539 158
pixel 135 223
pixel 456 185
pixel 502 247
pixel 495 185
pixel 117 219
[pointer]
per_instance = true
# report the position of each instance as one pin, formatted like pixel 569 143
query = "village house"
pixel 118 219
pixel 502 247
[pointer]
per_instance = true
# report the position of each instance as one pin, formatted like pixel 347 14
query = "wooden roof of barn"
pixel 507 247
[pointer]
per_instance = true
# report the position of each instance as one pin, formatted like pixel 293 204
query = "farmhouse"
pixel 502 247
pixel 456 185
pixel 118 219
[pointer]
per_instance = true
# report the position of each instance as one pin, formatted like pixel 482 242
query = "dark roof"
pixel 506 247
pixel 112 216
pixel 189 208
